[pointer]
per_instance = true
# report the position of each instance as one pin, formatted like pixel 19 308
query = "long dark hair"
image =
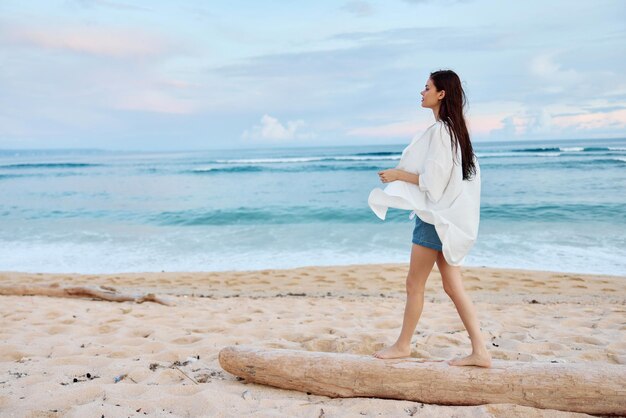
pixel 451 112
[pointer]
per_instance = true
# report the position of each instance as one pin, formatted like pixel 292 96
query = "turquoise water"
pixel 553 205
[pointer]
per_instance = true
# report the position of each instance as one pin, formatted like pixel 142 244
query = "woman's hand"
pixel 392 174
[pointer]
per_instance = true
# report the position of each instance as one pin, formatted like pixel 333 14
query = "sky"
pixel 184 75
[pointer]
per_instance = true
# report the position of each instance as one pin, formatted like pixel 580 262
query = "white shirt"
pixel 442 198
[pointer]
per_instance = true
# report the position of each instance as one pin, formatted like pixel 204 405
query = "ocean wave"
pixel 272 216
pixel 395 156
pixel 568 149
pixel 565 212
pixel 557 163
pixel 11 176
pixel 274 169
pixel 503 154
pixel 598 162
pixel 382 153
pixel 540 149
pixel 47 165
pixel 7 176
pixel 550 152
pixel 236 169
pixel 328 215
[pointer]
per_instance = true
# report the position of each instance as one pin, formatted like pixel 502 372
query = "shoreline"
pixel 464 268
pixel 47 342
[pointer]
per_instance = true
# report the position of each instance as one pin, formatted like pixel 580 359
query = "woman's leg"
pixel 453 286
pixel 422 262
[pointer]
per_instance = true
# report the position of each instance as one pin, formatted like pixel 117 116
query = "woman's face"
pixel 430 95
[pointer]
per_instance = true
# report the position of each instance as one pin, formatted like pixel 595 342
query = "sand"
pixel 61 357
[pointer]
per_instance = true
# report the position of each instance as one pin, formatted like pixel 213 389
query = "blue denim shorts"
pixel 425 235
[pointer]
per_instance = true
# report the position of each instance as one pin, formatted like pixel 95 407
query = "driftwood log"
pixel 593 388
pixel 100 293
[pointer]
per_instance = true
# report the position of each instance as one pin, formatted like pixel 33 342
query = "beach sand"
pixel 168 355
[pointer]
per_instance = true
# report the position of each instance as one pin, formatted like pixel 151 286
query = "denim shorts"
pixel 425 235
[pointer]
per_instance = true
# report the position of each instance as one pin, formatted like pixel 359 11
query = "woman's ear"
pixel 442 94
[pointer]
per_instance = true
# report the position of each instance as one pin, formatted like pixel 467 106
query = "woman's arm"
pixel 394 174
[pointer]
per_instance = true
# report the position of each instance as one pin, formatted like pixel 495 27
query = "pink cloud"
pixel 483 124
pixel 614 119
pixel 478 125
pixel 110 42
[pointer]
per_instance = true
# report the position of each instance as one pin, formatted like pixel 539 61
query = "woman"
pixel 438 178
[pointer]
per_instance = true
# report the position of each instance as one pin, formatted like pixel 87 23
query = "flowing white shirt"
pixel 442 198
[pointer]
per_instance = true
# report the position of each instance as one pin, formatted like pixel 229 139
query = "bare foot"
pixel 393 352
pixel 482 359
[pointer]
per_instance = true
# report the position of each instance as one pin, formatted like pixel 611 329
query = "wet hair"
pixel 451 112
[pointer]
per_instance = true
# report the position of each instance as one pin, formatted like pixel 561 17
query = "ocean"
pixel 545 205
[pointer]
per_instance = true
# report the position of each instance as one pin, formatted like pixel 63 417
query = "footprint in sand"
pixel 330 346
pixel 239 320
pixel 189 339
pixel 11 353
pixel 617 358
pixel 387 324
pixel 617 346
pixel 57 329
pixel 443 340
pixel 106 329
pixel 140 332
pixel 54 314
pixel 587 340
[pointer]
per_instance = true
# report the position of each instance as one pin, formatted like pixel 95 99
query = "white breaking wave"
pixel 516 154
pixel 307 159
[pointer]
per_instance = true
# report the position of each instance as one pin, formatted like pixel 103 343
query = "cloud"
pixel 430 38
pixel 108 42
pixel 388 130
pixel 154 101
pixel 111 4
pixel 478 125
pixel 366 50
pixel 483 125
pixel 554 121
pixel 615 119
pixel 441 2
pixel 271 129
pixel 558 79
pixel 358 8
